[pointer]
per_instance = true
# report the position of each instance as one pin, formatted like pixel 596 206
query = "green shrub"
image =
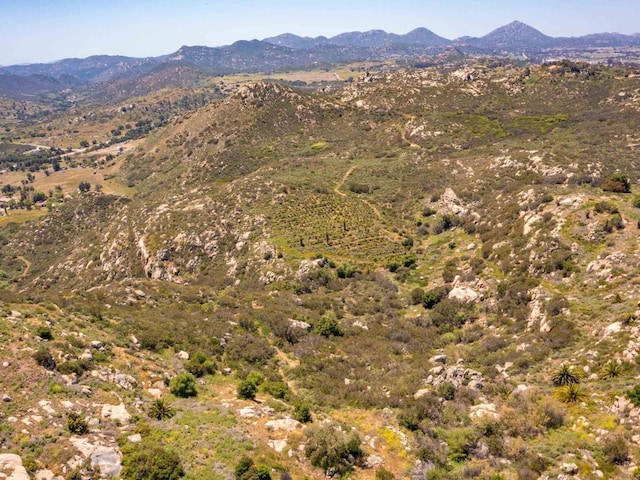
pixel 43 357
pixel 384 474
pixel 149 461
pixel 199 365
pixel 255 377
pixel 275 389
pixel 617 183
pixel 434 296
pixel 183 385
pixel 302 412
pixel 44 333
pixel 332 446
pixel 636 201
pixel 616 449
pixel 246 470
pixel 328 325
pixel 76 423
pixel 634 395
pixel 74 366
pixel 247 390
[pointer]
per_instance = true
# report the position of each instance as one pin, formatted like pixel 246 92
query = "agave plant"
pixel 571 393
pixel 611 369
pixel 565 376
pixel 161 409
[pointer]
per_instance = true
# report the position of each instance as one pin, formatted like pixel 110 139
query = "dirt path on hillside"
pixel 27 263
pixel 344 179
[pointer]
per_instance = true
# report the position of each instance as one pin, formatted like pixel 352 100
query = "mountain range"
pixel 289 51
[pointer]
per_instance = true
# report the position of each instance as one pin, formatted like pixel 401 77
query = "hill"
pixel 437 267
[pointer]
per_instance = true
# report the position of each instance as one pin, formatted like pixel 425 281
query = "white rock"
pixel 277 445
pixel 116 412
pixel 86 356
pixel 11 467
pixel 105 457
pixel 299 324
pixel 286 424
pixel 421 393
pixel 46 406
pixel 182 355
pixel 438 359
pixel 156 393
pixel 612 329
pixel 96 344
pixel 484 410
pixel 135 438
pixel 464 294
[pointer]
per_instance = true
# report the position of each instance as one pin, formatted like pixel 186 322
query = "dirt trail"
pixel 344 179
pixel 27 263
pixel 342 194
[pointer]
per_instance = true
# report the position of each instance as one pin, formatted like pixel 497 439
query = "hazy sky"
pixel 47 30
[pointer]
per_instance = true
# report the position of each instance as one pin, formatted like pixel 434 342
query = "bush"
pixel 246 470
pixel 276 389
pixel 199 365
pixel 151 462
pixel 328 325
pixel 76 423
pixel 384 474
pixel 44 333
pixel 616 450
pixel 434 296
pixel 255 377
pixel 634 395
pixel 302 412
pixel 332 447
pixel 183 385
pixel 44 358
pixel 247 390
pixel 617 183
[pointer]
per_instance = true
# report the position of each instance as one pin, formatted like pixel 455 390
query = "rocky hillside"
pixel 431 274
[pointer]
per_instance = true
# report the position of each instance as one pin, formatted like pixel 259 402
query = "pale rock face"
pixel 11 467
pixel 465 294
pixel 107 458
pixel 484 410
pixel 116 412
pixel 285 424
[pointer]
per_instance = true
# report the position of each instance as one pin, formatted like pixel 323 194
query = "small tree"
pixel 617 183
pixel 332 447
pixel 44 358
pixel 327 326
pixel 149 461
pixel 84 187
pixel 302 412
pixel 183 385
pixel 247 390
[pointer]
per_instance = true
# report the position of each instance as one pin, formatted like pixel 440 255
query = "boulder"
pixel 11 467
pixel 484 410
pixel 116 412
pixel 465 295
pixel 287 424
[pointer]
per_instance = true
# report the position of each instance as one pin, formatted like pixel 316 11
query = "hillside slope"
pixel 444 261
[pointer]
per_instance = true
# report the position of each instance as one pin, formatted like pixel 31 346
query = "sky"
pixel 33 31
